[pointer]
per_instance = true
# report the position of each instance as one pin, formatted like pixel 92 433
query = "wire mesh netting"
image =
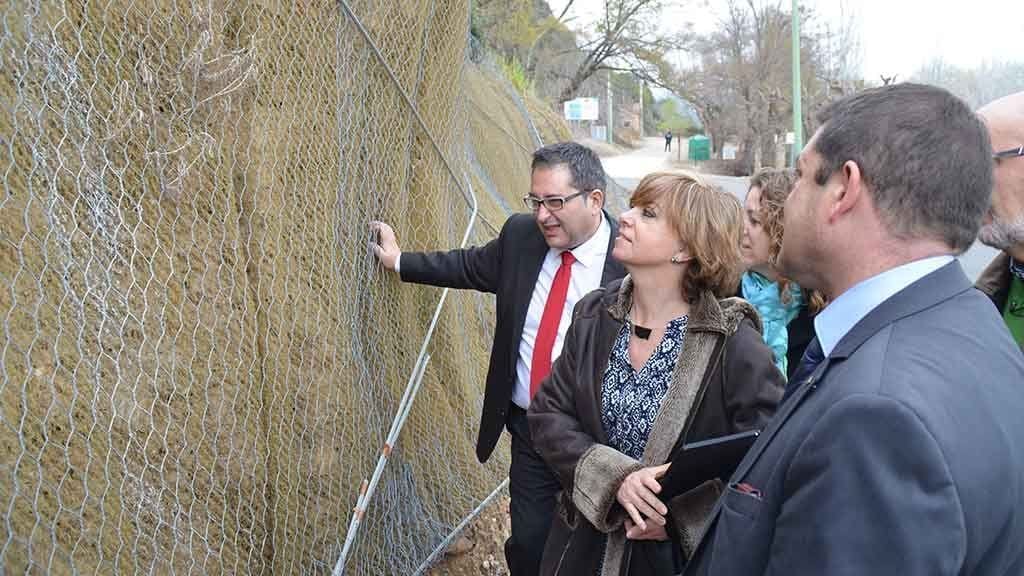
pixel 200 357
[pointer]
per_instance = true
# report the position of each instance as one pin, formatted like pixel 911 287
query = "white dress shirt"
pixel 843 313
pixel 585 277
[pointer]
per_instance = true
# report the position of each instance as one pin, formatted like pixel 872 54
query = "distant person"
pixel 901 447
pixel 649 361
pixel 786 310
pixel 540 265
pixel 1003 228
pixel 668 141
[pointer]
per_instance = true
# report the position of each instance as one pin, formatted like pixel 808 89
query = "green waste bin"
pixel 699 148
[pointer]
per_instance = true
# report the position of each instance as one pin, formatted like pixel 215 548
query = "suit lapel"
pixel 532 249
pixel 935 287
pixel 787 410
pixel 944 283
pixel 938 286
pixel 531 258
pixel 525 272
pixel 612 269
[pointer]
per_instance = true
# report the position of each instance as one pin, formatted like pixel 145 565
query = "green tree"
pixel 672 119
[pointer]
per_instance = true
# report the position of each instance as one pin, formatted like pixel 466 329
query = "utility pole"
pixel 643 84
pixel 798 123
pixel 609 84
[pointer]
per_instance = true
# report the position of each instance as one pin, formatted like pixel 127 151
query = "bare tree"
pixel 738 83
pixel 839 51
pixel 831 57
pixel 741 82
pixel 628 38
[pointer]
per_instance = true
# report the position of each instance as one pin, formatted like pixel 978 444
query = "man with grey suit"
pixel 900 446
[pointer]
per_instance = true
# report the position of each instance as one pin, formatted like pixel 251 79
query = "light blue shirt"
pixel 775 315
pixel 843 313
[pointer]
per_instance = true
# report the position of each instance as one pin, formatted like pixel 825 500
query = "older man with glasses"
pixel 1003 280
pixel 539 267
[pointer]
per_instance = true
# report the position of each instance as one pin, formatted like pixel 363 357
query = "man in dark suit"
pixel 900 448
pixel 539 266
pixel 1003 280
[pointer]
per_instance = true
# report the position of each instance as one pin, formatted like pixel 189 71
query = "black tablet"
pixel 701 461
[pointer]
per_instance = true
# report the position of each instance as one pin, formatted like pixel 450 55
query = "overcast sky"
pixel 897 36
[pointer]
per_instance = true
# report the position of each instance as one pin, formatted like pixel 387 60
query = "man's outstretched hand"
pixel 386 246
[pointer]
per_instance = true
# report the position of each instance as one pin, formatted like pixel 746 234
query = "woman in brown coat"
pixel 648 361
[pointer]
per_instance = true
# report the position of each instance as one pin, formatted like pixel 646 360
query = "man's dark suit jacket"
pixel 902 454
pixel 508 267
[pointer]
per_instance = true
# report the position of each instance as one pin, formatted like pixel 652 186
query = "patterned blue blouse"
pixel 630 399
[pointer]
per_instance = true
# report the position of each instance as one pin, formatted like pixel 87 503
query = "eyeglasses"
pixel 1011 153
pixel 552 203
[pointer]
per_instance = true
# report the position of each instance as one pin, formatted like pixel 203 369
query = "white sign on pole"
pixel 790 138
pixel 581 109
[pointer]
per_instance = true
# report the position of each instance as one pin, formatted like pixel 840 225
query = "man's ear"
pixel 847 191
pixel 597 197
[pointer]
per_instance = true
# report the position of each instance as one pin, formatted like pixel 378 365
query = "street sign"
pixel 581 109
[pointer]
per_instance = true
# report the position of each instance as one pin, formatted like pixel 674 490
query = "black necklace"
pixel 641 332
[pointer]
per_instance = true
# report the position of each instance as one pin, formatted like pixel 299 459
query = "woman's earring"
pixel 676 259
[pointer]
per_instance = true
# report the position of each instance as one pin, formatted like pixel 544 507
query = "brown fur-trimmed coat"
pixel 724 382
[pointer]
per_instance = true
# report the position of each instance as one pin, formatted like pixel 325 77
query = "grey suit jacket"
pixel 903 454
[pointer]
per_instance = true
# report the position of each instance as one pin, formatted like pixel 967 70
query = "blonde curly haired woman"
pixel 786 310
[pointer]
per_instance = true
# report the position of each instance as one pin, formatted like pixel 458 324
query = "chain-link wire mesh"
pixel 200 356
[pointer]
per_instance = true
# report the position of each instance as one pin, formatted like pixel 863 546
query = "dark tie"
pixel 813 356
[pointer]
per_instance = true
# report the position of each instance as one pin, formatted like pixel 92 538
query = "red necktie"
pixel 540 366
